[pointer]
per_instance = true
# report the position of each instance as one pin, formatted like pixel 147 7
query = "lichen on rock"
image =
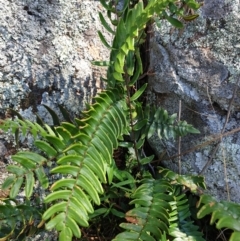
pixel 200 66
pixel 46 51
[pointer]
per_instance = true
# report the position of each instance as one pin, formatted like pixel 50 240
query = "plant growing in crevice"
pixel 80 152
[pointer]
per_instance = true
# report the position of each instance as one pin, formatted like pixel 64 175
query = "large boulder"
pixel 200 65
pixel 46 51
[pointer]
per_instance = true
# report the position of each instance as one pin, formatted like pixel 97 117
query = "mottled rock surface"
pixel 46 51
pixel 200 66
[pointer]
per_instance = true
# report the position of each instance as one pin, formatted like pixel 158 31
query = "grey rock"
pixel 3 150
pixel 201 66
pixel 46 51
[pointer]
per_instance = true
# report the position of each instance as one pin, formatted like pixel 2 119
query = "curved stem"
pixel 132 135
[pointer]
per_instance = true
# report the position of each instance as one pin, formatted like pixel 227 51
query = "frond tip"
pixel 166 125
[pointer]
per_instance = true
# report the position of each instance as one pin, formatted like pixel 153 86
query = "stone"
pixel 200 66
pixel 46 51
pixel 3 151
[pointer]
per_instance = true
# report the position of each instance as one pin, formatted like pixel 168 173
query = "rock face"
pixel 200 66
pixel 46 51
pixel 47 46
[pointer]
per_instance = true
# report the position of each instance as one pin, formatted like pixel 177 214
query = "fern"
pixel 181 226
pixel 150 218
pixel 25 127
pixel 161 208
pixel 130 26
pixel 157 120
pixel 81 151
pixel 224 214
pixel 18 220
pixel 23 174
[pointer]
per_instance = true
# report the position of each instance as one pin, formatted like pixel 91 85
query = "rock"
pixel 3 149
pixel 46 51
pixel 200 66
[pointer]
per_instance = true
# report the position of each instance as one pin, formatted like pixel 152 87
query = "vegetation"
pixel 81 156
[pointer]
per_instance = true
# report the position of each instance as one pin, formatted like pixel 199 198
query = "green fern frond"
pixel 166 126
pixel 85 163
pixel 188 181
pixel 28 162
pixel 150 120
pixel 149 219
pixel 181 226
pixel 160 208
pixel 83 153
pixel 22 175
pixel 16 220
pixel 128 33
pixel 224 214
pixel 24 127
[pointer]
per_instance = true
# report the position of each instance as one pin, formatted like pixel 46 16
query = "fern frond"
pixel 188 181
pixel 16 220
pixel 149 219
pixel 85 163
pixel 128 34
pixel 160 208
pixel 24 127
pixel 166 126
pixel 83 153
pixel 181 226
pixel 22 175
pixel 224 214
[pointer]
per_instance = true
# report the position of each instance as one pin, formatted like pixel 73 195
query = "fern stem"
pixel 132 135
